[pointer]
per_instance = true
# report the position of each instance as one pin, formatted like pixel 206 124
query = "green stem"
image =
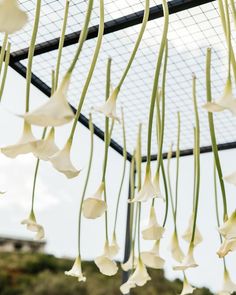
pixel 195 161
pixel 177 167
pixel 91 70
pixel 86 182
pixel 138 156
pixel 61 43
pixel 31 53
pixel 213 136
pixel 233 10
pixel 2 53
pixel 137 43
pixel 7 59
pixel 156 81
pixel 197 150
pixel 166 193
pixel 82 37
pixel 228 30
pixel 123 173
pixel 169 184
pixel 139 230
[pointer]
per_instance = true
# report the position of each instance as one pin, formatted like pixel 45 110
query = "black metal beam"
pixel 110 27
pixel 189 152
pixel 21 69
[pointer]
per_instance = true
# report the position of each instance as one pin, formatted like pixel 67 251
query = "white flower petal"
pixel 227 246
pixel 187 236
pixel 228 229
pixel 188 261
pixel 76 271
pixel 228 285
pixel 176 252
pixel 12 18
pixel 130 263
pixel 153 231
pixel 125 288
pixel 140 276
pixel 231 178
pixel 33 226
pixel 114 247
pixel 187 288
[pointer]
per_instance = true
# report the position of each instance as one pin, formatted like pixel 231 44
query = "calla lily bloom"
pixel 147 191
pixel 105 263
pixel 153 231
pixel 125 288
pixel 12 18
pixel 61 162
pixel 25 145
pixel 227 246
pixel 33 226
pixel 56 111
pixel 187 236
pixel 152 258
pixel 231 178
pixel 228 229
pixel 114 247
pixel 187 288
pixel 76 270
pixel 109 107
pixel 45 149
pixel 226 102
pixel 188 261
pixel 140 276
pixel 130 263
pixel 156 185
pixel 228 286
pixel 176 252
pixel 94 206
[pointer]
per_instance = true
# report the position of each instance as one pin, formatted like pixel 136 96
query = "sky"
pixel 57 198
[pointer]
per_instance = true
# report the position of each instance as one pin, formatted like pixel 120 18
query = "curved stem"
pixel 194 172
pixel 156 81
pixel 137 43
pixel 82 37
pixel 166 193
pixel 197 151
pixel 123 173
pixel 91 70
pixel 61 43
pixel 213 136
pixel 7 59
pixel 169 183
pixel 31 53
pixel 177 167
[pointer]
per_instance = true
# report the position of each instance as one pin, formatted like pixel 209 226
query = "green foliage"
pixel 40 274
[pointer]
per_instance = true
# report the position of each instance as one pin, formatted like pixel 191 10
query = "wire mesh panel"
pixel 191 32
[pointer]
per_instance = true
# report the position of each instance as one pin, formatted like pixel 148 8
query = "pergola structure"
pixel 194 25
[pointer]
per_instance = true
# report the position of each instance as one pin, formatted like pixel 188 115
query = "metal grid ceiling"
pixel 191 32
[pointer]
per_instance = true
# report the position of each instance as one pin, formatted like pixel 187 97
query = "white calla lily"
pixel 140 276
pixel 187 288
pixel 228 245
pixel 125 288
pixel 25 145
pixel 105 263
pixel 130 263
pixel 56 111
pixel 33 226
pixel 44 149
pixel 226 102
pixel 231 178
pixel 188 261
pixel 94 207
pixel 228 229
pixel 114 247
pixel 229 286
pixel 153 231
pixel 76 270
pixel 12 18
pixel 156 185
pixel 61 162
pixel 147 191
pixel 187 236
pixel 109 107
pixel 152 258
pixel 176 252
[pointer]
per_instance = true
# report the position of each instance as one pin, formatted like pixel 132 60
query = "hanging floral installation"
pixel 148 186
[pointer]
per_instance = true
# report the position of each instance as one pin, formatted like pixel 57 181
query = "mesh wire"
pixel 191 32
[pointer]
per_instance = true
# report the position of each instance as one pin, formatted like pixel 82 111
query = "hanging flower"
pixel 176 252
pixel 228 229
pixel 105 263
pixel 25 145
pixel 152 258
pixel 228 245
pixel 231 178
pixel 226 102
pixel 109 107
pixel 147 191
pixel 114 247
pixel 156 185
pixel 33 226
pixel 187 288
pixel 188 261
pixel 125 288
pixel 12 18
pixel 94 206
pixel 61 162
pixel 228 286
pixel 76 270
pixel 45 149
pixel 56 111
pixel 130 263
pixel 153 231
pixel 187 236
pixel 140 276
